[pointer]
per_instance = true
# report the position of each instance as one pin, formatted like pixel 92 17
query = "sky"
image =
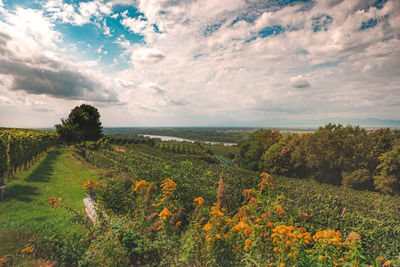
pixel 198 62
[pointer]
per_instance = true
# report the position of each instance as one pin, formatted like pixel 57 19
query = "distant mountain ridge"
pixel 309 123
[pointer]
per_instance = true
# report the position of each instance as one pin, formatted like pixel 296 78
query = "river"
pixel 177 139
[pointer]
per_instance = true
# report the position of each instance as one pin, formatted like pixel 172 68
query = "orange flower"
pixel 380 258
pixel 247 244
pixel 218 236
pixel 387 263
pixel 28 249
pixel 353 237
pixel 320 257
pixel 207 227
pixel 199 201
pixel 139 185
pixel 164 214
pixel 89 184
pixel 279 210
pixel 248 193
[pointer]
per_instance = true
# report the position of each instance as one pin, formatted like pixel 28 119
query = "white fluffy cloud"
pixel 147 55
pixel 228 71
pixel 38 72
pixel 205 61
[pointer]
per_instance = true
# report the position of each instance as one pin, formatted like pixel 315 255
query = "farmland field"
pixel 175 204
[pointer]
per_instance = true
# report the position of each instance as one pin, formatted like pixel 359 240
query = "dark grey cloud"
pixel 61 83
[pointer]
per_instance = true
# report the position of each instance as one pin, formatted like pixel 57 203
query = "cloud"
pixel 299 82
pixel 30 55
pixel 77 14
pixel 202 61
pixel 147 55
pixel 61 83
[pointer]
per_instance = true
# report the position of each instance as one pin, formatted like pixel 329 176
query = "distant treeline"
pixel 195 134
pixel 334 154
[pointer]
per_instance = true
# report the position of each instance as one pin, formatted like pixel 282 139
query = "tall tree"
pixel 82 124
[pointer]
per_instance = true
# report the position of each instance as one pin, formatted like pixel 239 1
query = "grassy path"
pixel 25 210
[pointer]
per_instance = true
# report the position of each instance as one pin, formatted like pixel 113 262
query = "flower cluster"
pixel 199 201
pixel 55 203
pixel 164 214
pixel 382 259
pixel 4 260
pixel 168 188
pixel 90 185
pixel 328 236
pixel 27 250
pixel 288 240
pixel 353 238
pixel 140 185
pixel 266 182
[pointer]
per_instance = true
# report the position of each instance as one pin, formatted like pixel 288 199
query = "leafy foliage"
pixel 20 147
pixel 83 123
pixel 387 179
pixel 252 149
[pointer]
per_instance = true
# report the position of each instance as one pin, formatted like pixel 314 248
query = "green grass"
pixel 25 210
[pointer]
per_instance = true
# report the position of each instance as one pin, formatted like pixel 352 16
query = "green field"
pixel 25 212
pixel 169 208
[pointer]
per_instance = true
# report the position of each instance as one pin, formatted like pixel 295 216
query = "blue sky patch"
pixel 212 28
pixel 302 51
pixel 12 4
pixel 268 31
pixel 321 23
pixel 328 64
pixel 132 11
pixel 368 24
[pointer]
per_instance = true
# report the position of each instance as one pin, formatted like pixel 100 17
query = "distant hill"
pixel 290 123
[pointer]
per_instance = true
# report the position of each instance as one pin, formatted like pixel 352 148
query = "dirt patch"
pixel 119 149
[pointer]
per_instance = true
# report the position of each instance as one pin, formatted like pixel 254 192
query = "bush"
pixel 359 179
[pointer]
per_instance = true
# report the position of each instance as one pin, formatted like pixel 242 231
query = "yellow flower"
pixel 89 184
pixel 168 187
pixel 164 214
pixel 178 223
pixel 320 257
pixel 28 249
pixel 199 201
pixel 247 244
pixel 207 227
pixel 240 226
pixel 139 185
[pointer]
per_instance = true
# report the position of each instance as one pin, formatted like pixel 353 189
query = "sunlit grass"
pixel 25 210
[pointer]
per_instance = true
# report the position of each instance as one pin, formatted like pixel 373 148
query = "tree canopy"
pixel 82 124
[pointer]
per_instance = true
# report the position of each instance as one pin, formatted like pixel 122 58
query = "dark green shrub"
pixel 359 179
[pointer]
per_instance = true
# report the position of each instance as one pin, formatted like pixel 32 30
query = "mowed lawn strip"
pixel 25 209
